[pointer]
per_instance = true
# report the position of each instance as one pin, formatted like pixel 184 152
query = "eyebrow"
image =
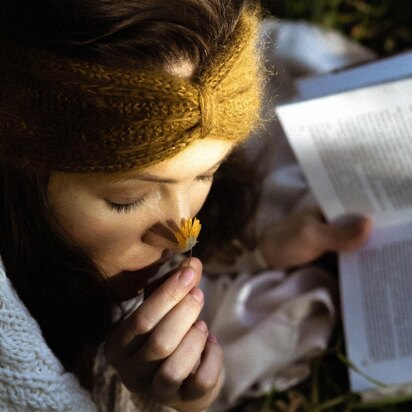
pixel 157 179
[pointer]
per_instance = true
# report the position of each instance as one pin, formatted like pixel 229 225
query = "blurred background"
pixel 385 26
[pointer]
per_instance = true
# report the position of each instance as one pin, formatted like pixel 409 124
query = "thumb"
pixel 347 233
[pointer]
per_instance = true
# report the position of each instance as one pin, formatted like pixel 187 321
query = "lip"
pixel 128 283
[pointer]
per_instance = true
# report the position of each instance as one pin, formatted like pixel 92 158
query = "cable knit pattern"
pixel 68 114
pixel 31 377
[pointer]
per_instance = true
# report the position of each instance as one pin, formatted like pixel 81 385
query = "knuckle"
pixel 173 294
pixel 142 325
pixel 169 377
pixel 204 384
pixel 158 348
pixel 191 307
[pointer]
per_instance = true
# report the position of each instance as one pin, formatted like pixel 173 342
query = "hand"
pixel 304 236
pixel 163 352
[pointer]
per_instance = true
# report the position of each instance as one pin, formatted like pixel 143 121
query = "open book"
pixel 352 133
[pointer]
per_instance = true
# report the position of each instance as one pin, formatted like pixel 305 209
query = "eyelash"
pixel 128 207
pixel 125 208
pixel 208 178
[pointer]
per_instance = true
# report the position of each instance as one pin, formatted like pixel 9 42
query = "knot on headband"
pixel 206 109
pixel 64 114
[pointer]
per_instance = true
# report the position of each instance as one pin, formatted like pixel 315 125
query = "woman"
pixel 115 117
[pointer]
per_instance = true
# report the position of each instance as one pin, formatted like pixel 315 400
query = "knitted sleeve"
pixel 31 377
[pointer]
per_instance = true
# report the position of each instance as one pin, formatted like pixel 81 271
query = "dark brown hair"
pixel 59 284
pixel 150 31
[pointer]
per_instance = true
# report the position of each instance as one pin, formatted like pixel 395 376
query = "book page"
pixel 355 149
pixel 376 292
pixel 378 71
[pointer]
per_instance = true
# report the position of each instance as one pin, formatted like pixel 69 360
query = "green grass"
pixel 385 26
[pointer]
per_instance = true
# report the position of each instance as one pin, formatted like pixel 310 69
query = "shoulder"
pixel 32 377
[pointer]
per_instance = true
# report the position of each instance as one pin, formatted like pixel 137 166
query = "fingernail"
pixel 201 324
pixel 212 338
pixel 187 276
pixel 197 294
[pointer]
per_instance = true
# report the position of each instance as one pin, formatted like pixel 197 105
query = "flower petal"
pixel 188 233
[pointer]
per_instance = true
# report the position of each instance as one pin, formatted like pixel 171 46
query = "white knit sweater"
pixel 31 377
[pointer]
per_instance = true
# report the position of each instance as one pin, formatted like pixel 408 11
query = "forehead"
pixel 196 159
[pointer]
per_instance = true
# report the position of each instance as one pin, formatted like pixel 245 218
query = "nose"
pixel 175 206
pixel 179 207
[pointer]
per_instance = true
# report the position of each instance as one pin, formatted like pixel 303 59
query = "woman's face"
pixel 115 218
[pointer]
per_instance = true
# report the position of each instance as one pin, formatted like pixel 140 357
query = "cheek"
pixel 113 240
pixel 100 232
pixel 109 230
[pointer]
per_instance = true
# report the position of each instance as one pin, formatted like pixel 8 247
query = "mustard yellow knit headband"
pixel 62 114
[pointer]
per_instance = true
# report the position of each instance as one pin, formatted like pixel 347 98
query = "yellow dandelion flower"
pixel 188 233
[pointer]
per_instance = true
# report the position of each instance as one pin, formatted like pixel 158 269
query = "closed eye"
pixel 210 176
pixel 206 179
pixel 125 207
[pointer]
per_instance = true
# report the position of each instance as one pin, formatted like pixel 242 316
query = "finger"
pixel 152 310
pixel 208 374
pixel 152 286
pixel 164 299
pixel 346 234
pixel 177 367
pixel 172 329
